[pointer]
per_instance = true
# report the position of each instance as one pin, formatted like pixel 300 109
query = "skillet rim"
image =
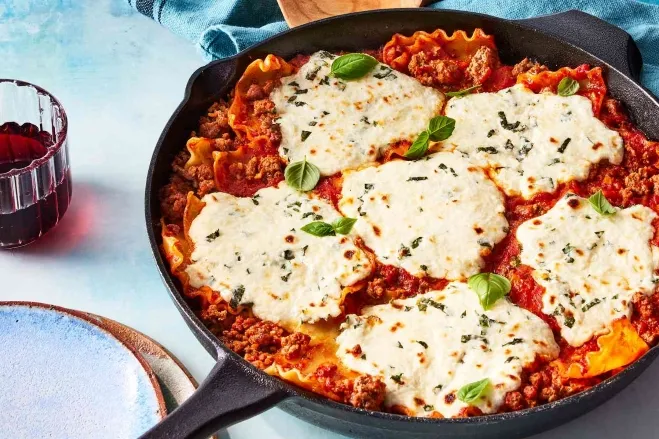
pixel 294 392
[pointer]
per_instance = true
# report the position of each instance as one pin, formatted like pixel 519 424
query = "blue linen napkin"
pixel 222 28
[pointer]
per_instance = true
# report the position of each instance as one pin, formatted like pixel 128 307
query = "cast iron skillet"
pixel 235 390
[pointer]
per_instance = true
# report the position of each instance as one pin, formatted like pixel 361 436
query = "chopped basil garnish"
pixel 385 72
pixel 601 204
pixel 473 391
pixel 594 302
pixel 254 199
pixel 491 133
pixel 466 91
pixel 416 242
pixel 342 226
pixel 509 359
pixel 428 408
pixel 488 149
pixel 312 74
pixel 569 321
pixel 302 176
pixel 353 65
pixel 285 277
pixel 314 215
pixel 213 236
pixel 404 252
pixel 514 127
pixel 514 342
pixel 423 303
pixel 489 287
pixel 397 378
pixel 400 345
pixel 564 145
pixel 288 255
pixel 299 104
pixel 422 343
pixel 237 296
pixel 417 178
pixel 292 98
pixel 567 87
pixel 301 91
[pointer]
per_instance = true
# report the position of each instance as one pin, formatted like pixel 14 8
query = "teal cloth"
pixel 223 28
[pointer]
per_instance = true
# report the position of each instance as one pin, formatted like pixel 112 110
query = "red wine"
pixel 20 145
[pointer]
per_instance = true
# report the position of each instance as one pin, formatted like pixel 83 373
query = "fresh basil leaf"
pixel 440 128
pixel 353 65
pixel 472 391
pixel 567 87
pixel 419 147
pixel 489 287
pixel 466 91
pixel 601 204
pixel 319 228
pixel 302 176
pixel 343 226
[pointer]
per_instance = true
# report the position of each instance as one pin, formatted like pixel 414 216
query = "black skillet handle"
pixel 606 41
pixel 231 393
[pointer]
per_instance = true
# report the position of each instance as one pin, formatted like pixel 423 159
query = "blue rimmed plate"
pixel 65 377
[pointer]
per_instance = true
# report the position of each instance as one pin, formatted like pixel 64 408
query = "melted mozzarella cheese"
pixel 436 216
pixel 531 142
pixel 339 124
pixel 252 251
pixel 429 346
pixel 590 265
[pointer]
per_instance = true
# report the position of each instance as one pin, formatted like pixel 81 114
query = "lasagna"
pixel 420 229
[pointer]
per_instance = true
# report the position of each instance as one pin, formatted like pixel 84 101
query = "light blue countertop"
pixel 120 76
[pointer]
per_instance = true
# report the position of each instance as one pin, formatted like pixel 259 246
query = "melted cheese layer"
pixel 338 124
pixel 531 142
pixel 429 346
pixel 590 265
pixel 437 216
pixel 251 250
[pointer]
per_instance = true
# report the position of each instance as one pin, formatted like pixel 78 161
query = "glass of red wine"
pixel 35 175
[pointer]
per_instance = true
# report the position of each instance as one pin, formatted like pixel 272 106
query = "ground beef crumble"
pixel 482 64
pixel 543 386
pixel 645 317
pixel 368 393
pixel 434 72
pixel 528 66
pixel 215 123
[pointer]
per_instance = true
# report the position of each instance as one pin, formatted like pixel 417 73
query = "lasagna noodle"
pixel 591 82
pixel 620 347
pixel 399 50
pixel 259 72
